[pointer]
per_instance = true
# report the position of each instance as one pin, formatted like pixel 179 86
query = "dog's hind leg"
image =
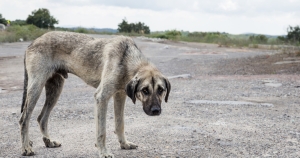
pixel 53 89
pixel 119 103
pixel 34 89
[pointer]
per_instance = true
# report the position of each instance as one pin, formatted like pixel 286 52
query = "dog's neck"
pixel 141 68
pixel 137 63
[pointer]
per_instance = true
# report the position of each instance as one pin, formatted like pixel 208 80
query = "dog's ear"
pixel 168 85
pixel 131 89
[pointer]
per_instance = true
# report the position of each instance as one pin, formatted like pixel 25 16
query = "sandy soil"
pixel 234 103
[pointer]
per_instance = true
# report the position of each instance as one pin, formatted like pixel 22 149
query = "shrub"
pixel 173 34
pixel 258 39
pixel 16 32
pixel 81 30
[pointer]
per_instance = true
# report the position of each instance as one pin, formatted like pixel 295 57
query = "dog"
pixel 115 67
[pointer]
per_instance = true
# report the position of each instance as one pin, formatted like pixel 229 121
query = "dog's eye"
pixel 145 91
pixel 160 90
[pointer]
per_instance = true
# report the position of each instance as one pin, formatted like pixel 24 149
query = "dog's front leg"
pixel 119 103
pixel 102 98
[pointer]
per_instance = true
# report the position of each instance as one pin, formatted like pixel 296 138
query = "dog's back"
pixel 58 41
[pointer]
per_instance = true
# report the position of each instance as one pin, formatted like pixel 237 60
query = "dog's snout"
pixel 155 110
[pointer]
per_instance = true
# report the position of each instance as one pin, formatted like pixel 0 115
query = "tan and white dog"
pixel 115 67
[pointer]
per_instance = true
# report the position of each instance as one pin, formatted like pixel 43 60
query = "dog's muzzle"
pixel 155 110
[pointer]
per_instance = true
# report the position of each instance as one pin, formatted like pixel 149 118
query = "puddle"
pixel 229 103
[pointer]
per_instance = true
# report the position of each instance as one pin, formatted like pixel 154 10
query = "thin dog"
pixel 115 67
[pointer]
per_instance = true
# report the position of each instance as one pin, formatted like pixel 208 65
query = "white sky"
pixel 233 16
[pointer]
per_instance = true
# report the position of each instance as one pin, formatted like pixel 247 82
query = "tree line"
pixel 43 19
pixel 40 18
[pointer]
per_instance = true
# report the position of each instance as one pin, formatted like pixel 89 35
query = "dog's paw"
pixel 106 155
pixel 27 151
pixel 51 144
pixel 128 146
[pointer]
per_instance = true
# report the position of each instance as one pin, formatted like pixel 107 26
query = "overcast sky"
pixel 233 16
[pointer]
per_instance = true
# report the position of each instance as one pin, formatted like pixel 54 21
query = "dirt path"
pixel 232 104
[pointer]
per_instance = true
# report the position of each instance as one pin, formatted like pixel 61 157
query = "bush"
pixel 158 35
pixel 208 37
pixel 21 33
pixel 293 34
pixel 173 34
pixel 81 30
pixel 18 22
pixel 258 39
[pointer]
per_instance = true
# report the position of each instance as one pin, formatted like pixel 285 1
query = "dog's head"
pixel 150 87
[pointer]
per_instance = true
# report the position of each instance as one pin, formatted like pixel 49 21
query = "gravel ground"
pixel 233 103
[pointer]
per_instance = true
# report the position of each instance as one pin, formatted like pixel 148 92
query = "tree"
pixel 2 20
pixel 293 33
pixel 138 27
pixel 124 26
pixel 41 18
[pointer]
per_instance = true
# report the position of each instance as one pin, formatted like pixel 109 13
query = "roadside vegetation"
pixel 40 21
pixel 21 33
pixel 225 39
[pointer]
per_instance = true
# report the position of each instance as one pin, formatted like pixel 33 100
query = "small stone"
pixel 13 113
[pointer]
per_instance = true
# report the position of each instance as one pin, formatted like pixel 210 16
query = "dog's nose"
pixel 155 110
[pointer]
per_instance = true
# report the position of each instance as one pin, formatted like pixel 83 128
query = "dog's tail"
pixel 25 85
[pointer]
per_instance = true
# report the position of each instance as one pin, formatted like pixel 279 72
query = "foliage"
pixel 207 37
pixel 158 35
pixel 169 34
pixel 258 39
pixel 125 27
pixel 281 39
pixel 41 18
pixel 21 33
pixel 2 20
pixel 81 30
pixel 173 33
pixel 293 34
pixel 18 22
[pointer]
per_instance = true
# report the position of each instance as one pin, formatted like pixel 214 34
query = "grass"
pixel 17 33
pixel 222 39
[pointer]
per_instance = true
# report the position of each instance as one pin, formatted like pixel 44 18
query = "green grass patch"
pixel 17 33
